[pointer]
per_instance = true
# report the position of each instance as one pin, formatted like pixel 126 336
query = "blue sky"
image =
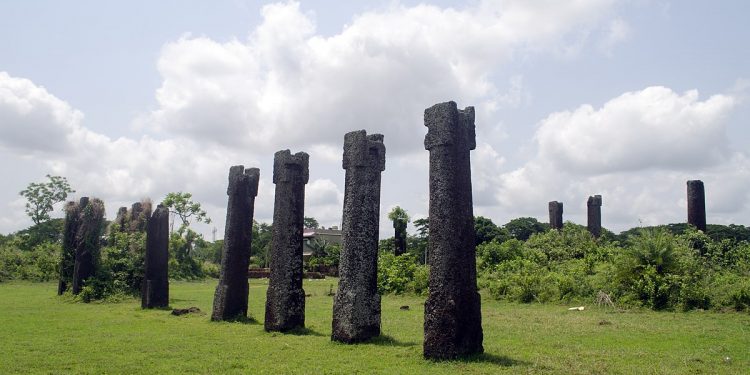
pixel 628 99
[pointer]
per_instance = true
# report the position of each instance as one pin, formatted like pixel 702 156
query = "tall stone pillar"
pixel 285 299
pixel 356 306
pixel 230 298
pixel 594 206
pixel 696 202
pixel 556 215
pixel 452 317
pixel 399 239
pixel 155 287
pixel 88 241
pixel 69 244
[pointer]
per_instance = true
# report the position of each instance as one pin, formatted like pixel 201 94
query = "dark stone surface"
pixel 556 215
pixel 138 216
pixel 88 241
pixel 155 288
pixel 189 310
pixel 452 317
pixel 594 209
pixel 696 202
pixel 69 244
pixel 285 299
pixel 121 218
pixel 356 306
pixel 230 299
pixel 399 237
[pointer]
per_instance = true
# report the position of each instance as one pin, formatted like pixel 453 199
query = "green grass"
pixel 43 333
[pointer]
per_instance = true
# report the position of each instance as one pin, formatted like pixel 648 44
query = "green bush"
pixel 401 274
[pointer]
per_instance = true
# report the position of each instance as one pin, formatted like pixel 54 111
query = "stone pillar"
pixel 594 206
pixel 88 241
pixel 139 215
pixel 556 215
pixel 230 299
pixel 121 218
pixel 155 287
pixel 452 317
pixel 68 256
pixel 696 202
pixel 285 299
pixel 399 239
pixel 356 306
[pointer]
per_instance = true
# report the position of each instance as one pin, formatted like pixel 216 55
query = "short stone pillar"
pixel 285 299
pixel 88 241
pixel 399 238
pixel 155 287
pixel 452 316
pixel 69 244
pixel 594 206
pixel 356 306
pixel 230 298
pixel 556 215
pixel 696 203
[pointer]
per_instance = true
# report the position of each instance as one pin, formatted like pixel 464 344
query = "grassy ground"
pixel 42 333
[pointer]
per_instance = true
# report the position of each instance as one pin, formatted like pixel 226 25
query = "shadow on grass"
pixel 499 360
pixel 385 340
pixel 303 332
pixel 173 300
pixel 240 320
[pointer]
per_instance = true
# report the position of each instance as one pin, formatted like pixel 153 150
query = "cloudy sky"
pixel 627 99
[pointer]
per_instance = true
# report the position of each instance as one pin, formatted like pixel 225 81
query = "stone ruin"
pixel 399 238
pixel 356 305
pixel 230 298
pixel 155 287
pixel 81 243
pixel 285 298
pixel 452 316
pixel 696 202
pixel 556 215
pixel 594 209
pixel 69 244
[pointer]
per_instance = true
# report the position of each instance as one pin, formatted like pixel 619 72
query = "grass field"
pixel 43 333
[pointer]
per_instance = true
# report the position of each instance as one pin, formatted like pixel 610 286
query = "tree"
pixel 310 222
pixel 486 231
pixel 400 218
pixel 182 205
pixel 42 196
pixel 523 227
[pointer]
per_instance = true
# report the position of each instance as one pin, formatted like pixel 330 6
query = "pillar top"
pixel 252 175
pixel 448 125
pixel 595 200
pixel 285 164
pixel 362 150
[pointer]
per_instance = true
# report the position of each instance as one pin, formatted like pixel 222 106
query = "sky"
pixel 626 99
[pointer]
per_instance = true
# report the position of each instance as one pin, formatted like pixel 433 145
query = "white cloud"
pixel 651 128
pixel 286 86
pixel 637 151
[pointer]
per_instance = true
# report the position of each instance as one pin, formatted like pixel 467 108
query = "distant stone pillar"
pixel 356 306
pixel 88 241
pixel 69 244
pixel 121 218
pixel 556 215
pixel 155 287
pixel 139 214
pixel 399 239
pixel 696 202
pixel 452 317
pixel 285 299
pixel 594 206
pixel 230 298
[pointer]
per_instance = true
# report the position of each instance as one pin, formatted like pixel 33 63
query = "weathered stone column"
pixel 285 299
pixel 696 202
pixel 399 238
pixel 88 241
pixel 452 317
pixel 230 299
pixel 155 287
pixel 594 205
pixel 556 215
pixel 356 306
pixel 69 244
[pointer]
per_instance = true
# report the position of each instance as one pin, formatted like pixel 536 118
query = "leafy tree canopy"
pixel 182 205
pixel 42 196
pixel 311 223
